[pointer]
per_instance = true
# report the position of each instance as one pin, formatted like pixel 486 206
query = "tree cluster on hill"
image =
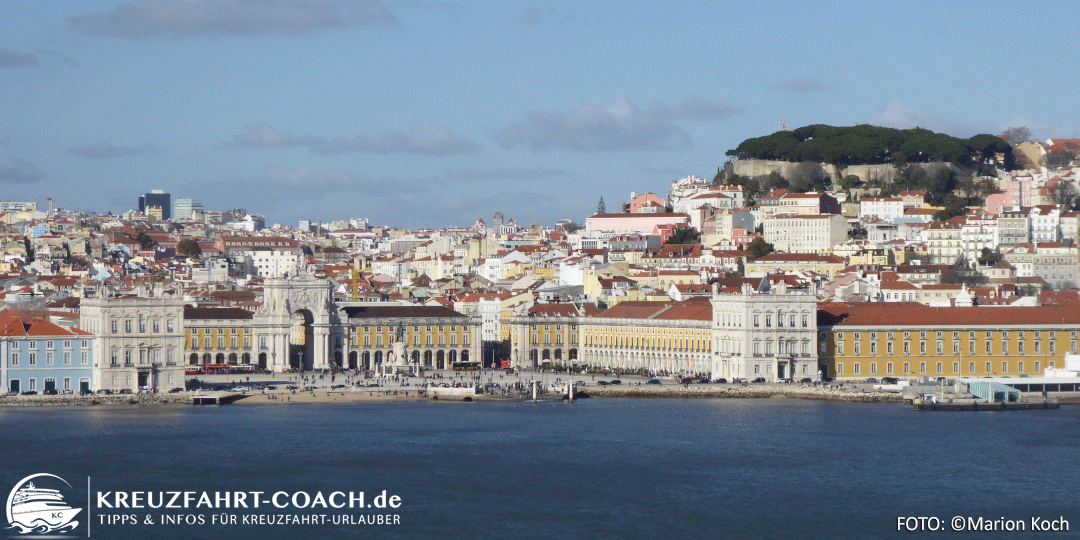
pixel 871 145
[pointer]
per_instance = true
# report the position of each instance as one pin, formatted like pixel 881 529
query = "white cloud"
pixel 217 18
pixel 16 59
pixel 423 139
pixel 621 127
pixel 896 115
pixel 509 173
pixel 104 150
pixel 15 170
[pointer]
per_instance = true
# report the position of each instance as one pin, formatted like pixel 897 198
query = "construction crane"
pixel 537 224
pixel 783 126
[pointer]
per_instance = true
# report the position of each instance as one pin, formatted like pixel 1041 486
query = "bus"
pixel 466 366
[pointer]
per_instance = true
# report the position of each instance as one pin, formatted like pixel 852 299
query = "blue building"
pixel 38 355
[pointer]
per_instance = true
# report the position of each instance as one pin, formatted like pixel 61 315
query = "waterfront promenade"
pixel 500 386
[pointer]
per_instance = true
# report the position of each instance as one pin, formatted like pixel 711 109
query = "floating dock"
pixel 998 406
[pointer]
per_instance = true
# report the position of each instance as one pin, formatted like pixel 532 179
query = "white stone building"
pixel 138 342
pixel 804 233
pixel 768 333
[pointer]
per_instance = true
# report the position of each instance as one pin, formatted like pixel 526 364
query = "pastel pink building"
pixel 642 224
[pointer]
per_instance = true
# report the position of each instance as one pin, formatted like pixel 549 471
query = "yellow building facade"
pixel 904 340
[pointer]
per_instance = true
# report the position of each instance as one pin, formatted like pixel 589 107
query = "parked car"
pixel 50 392
pixel 336 386
pixel 871 380
pixel 721 380
pixel 653 381
pixel 126 391
pixel 292 387
pixel 239 389
pixel 175 390
pixel 602 383
pixel 616 381
pixel 105 392
pixel 687 380
pixel 269 387
pixel 806 380
pixel 29 393
pixel 890 380
pixel 758 380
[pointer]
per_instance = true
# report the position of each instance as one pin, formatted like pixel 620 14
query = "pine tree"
pixel 601 208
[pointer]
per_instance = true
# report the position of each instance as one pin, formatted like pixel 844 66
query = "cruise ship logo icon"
pixel 32 509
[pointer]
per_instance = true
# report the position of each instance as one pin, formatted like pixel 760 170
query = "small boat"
pixel 41 510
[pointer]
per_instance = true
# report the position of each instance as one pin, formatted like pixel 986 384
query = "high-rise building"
pixel 186 208
pixel 157 197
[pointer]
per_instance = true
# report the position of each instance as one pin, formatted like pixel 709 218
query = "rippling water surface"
pixel 608 468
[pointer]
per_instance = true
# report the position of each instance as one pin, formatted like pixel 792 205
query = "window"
pixel 940 347
pixel 1005 366
pixel 939 368
pixel 988 347
pixel 127 356
pixel 805 321
pixel 142 326
pixel 971 347
pixel 856 368
pixel 956 367
pixel 1020 367
pixel 989 368
pixel 206 342
pixel 127 326
pixel 1004 347
pixel 840 349
pixel 33 359
pixel 922 347
pixel 907 367
pixel 873 368
pixel 14 359
pixel 873 347
pixel 889 347
pixel 169 326
pixel 114 327
pixel 907 348
pixel 888 368
pixel 1038 367
pixel 1020 348
pixel 839 369
pixel 857 348
pixel 157 326
pixel 756 320
pixel 791 320
pixel 67 358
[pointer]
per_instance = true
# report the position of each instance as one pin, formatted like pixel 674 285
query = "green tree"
pixel 954 206
pixel 684 235
pixel 758 248
pixel 189 248
pixel 144 240
pixel 176 228
pixel 718 180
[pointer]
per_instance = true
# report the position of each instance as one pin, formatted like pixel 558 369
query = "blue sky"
pixel 418 113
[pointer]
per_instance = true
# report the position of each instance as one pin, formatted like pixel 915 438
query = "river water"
pixel 600 468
